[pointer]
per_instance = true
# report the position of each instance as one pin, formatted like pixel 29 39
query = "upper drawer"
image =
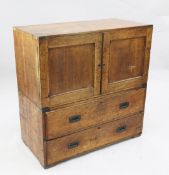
pixel 70 119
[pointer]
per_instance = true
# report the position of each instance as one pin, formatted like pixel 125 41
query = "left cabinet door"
pixel 70 68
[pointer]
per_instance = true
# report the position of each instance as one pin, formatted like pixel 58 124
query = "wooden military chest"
pixel 82 85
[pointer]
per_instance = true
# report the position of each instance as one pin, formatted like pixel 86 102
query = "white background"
pixel 148 154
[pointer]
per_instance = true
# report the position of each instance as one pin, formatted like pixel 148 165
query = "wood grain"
pixel 32 130
pixel 81 85
pixel 125 59
pixel 71 68
pixel 44 69
pixel 57 150
pixel 124 64
pixel 73 73
pixel 93 113
pixel 77 27
pixel 27 66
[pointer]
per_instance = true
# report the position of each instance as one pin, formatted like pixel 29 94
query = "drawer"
pixel 90 139
pixel 71 119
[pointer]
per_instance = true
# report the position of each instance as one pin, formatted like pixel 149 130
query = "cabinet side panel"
pixel 27 65
pixel 31 119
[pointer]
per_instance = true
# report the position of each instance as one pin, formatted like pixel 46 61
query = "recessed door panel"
pixel 125 58
pixel 72 68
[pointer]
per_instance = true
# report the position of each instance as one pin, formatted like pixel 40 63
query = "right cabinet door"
pixel 126 55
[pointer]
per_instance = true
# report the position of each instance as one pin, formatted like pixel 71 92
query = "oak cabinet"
pixel 82 85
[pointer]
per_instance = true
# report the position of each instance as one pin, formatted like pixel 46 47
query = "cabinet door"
pixel 125 58
pixel 70 68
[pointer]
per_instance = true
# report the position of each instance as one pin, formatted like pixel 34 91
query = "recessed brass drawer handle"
pixel 121 129
pixel 124 105
pixel 74 118
pixel 73 145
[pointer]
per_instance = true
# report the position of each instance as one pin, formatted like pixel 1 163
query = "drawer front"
pixel 70 119
pixel 87 140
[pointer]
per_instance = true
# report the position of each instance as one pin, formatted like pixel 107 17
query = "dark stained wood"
pixel 90 139
pixel 77 27
pixel 96 112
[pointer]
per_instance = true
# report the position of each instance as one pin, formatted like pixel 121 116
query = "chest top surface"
pixel 68 28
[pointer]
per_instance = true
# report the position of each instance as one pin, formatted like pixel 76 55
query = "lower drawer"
pixel 87 140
